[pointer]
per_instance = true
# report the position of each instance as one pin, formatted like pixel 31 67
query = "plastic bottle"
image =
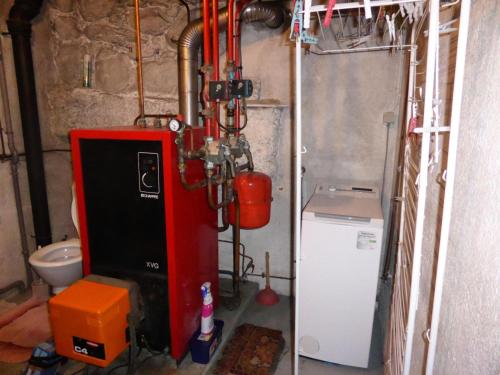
pixel 207 310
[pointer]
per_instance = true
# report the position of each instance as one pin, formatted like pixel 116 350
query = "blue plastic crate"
pixel 202 348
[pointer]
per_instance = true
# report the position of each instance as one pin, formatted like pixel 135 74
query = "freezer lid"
pixel 342 206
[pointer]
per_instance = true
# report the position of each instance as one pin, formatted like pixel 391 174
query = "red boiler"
pixel 254 195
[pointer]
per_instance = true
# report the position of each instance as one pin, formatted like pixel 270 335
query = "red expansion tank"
pixel 254 195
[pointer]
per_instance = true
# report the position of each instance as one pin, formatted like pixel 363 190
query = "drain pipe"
pixel 14 163
pixel 272 14
pixel 19 25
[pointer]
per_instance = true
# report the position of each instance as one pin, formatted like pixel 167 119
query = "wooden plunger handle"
pixel 267 270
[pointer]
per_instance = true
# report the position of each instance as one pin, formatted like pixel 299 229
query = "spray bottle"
pixel 207 310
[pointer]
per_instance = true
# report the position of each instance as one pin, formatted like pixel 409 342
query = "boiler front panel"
pixel 124 204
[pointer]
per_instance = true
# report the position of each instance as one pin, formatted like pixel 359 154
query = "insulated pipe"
pixel 19 26
pixel 271 13
pixel 215 60
pixel 207 60
pixel 230 32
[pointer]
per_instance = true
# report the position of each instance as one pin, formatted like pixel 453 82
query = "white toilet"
pixel 60 263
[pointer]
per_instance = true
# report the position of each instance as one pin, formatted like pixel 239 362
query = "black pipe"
pixel 19 24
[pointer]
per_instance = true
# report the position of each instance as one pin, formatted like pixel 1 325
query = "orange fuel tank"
pixel 254 194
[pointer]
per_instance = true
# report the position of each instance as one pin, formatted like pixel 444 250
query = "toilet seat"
pixel 57 254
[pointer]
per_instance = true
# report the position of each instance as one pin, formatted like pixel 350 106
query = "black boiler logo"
pixel 148 171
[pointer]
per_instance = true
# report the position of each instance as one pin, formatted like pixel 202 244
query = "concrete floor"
pixel 279 317
pixel 276 317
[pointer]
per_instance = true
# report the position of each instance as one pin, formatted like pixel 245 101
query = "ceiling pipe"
pixel 272 14
pixel 19 25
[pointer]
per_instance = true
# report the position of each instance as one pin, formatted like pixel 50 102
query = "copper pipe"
pixel 225 212
pixel 236 247
pixel 236 37
pixel 182 167
pixel 219 181
pixel 138 49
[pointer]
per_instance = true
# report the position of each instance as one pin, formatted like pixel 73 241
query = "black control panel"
pixel 148 172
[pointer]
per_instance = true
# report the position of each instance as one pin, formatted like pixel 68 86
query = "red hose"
pixel 329 13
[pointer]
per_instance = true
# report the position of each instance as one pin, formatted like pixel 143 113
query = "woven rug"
pixel 252 350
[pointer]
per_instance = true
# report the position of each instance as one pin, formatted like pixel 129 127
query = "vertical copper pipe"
pixel 236 55
pixel 138 49
pixel 236 246
pixel 216 75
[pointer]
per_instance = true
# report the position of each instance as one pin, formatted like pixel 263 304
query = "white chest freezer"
pixel 339 266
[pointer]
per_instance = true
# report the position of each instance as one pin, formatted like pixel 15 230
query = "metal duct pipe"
pixel 271 14
pixel 19 24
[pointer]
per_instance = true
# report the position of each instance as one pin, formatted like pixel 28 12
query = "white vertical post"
pixel 450 179
pixel 307 14
pixel 298 193
pixel 433 41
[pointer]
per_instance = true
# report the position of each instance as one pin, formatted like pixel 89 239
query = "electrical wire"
pixel 144 360
pixel 186 5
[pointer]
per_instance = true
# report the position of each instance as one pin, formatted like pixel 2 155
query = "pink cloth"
pixel 22 328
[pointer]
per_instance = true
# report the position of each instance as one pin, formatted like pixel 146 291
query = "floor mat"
pixel 252 350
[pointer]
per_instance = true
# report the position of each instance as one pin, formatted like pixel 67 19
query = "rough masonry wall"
pixel 66 30
pixel 469 334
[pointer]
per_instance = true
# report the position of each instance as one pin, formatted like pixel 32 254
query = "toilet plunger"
pixel 267 296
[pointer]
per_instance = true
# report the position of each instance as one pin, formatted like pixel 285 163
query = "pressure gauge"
pixel 174 125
